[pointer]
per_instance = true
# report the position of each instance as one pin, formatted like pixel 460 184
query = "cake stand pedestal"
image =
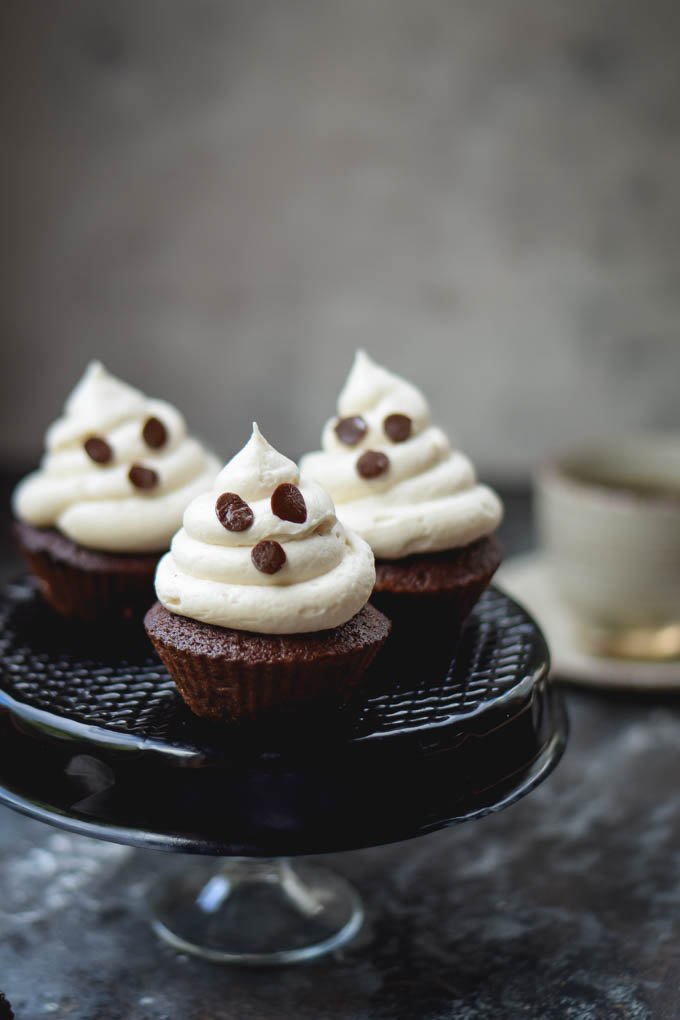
pixel 94 739
pixel 249 911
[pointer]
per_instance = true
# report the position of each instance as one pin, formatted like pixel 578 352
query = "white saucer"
pixel 526 579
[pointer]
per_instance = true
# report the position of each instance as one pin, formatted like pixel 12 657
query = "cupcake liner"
pixel 431 620
pixel 424 627
pixel 301 671
pixel 82 583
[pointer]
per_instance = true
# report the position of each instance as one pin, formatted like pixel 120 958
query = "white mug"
pixel 609 520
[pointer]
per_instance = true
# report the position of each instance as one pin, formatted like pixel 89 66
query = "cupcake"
pixel 117 473
pixel 263 595
pixel 397 482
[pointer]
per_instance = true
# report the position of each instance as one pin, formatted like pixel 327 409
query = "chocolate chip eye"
pixel 154 433
pixel 350 431
pixel 398 427
pixel 288 503
pixel 143 477
pixel 98 450
pixel 233 513
pixel 268 557
pixel 372 464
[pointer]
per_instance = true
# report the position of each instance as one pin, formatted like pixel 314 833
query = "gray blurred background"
pixel 222 200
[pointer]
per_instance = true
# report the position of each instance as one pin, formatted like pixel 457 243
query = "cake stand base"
pixel 255 912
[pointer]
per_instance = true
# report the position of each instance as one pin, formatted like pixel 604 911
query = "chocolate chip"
pixel 351 430
pixel 398 427
pixel 98 450
pixel 268 557
pixel 143 477
pixel 233 513
pixel 288 503
pixel 154 433
pixel 372 463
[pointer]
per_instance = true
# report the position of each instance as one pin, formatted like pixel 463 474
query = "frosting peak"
pixel 98 390
pixel 370 387
pixel 393 475
pixel 256 470
pixel 118 469
pixel 257 553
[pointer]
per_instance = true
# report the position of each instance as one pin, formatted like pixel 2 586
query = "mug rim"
pixel 562 469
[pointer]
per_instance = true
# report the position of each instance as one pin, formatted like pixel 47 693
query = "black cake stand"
pixel 94 739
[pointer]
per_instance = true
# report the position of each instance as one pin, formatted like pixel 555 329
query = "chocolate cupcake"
pixel 118 471
pixel 397 482
pixel 262 597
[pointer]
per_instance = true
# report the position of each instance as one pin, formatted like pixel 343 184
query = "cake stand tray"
pixel 94 739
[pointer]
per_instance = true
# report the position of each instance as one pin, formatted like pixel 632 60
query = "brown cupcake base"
pixel 85 584
pixel 230 674
pixel 429 597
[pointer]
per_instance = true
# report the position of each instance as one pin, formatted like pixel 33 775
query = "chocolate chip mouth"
pixel 372 464
pixel 143 477
pixel 268 557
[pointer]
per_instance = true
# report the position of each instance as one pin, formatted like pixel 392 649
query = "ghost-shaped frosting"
pixel 262 551
pixel 118 469
pixel 393 475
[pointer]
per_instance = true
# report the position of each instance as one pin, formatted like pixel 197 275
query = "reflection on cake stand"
pixel 94 739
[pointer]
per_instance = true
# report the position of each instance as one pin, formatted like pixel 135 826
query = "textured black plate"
pixel 110 687
pixel 93 736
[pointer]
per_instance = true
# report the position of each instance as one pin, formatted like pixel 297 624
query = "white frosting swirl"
pixel 428 499
pixel 209 575
pixel 96 505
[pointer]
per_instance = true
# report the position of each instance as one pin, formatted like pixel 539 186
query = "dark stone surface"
pixel 565 907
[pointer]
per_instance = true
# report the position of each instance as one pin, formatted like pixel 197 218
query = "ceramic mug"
pixel 609 520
